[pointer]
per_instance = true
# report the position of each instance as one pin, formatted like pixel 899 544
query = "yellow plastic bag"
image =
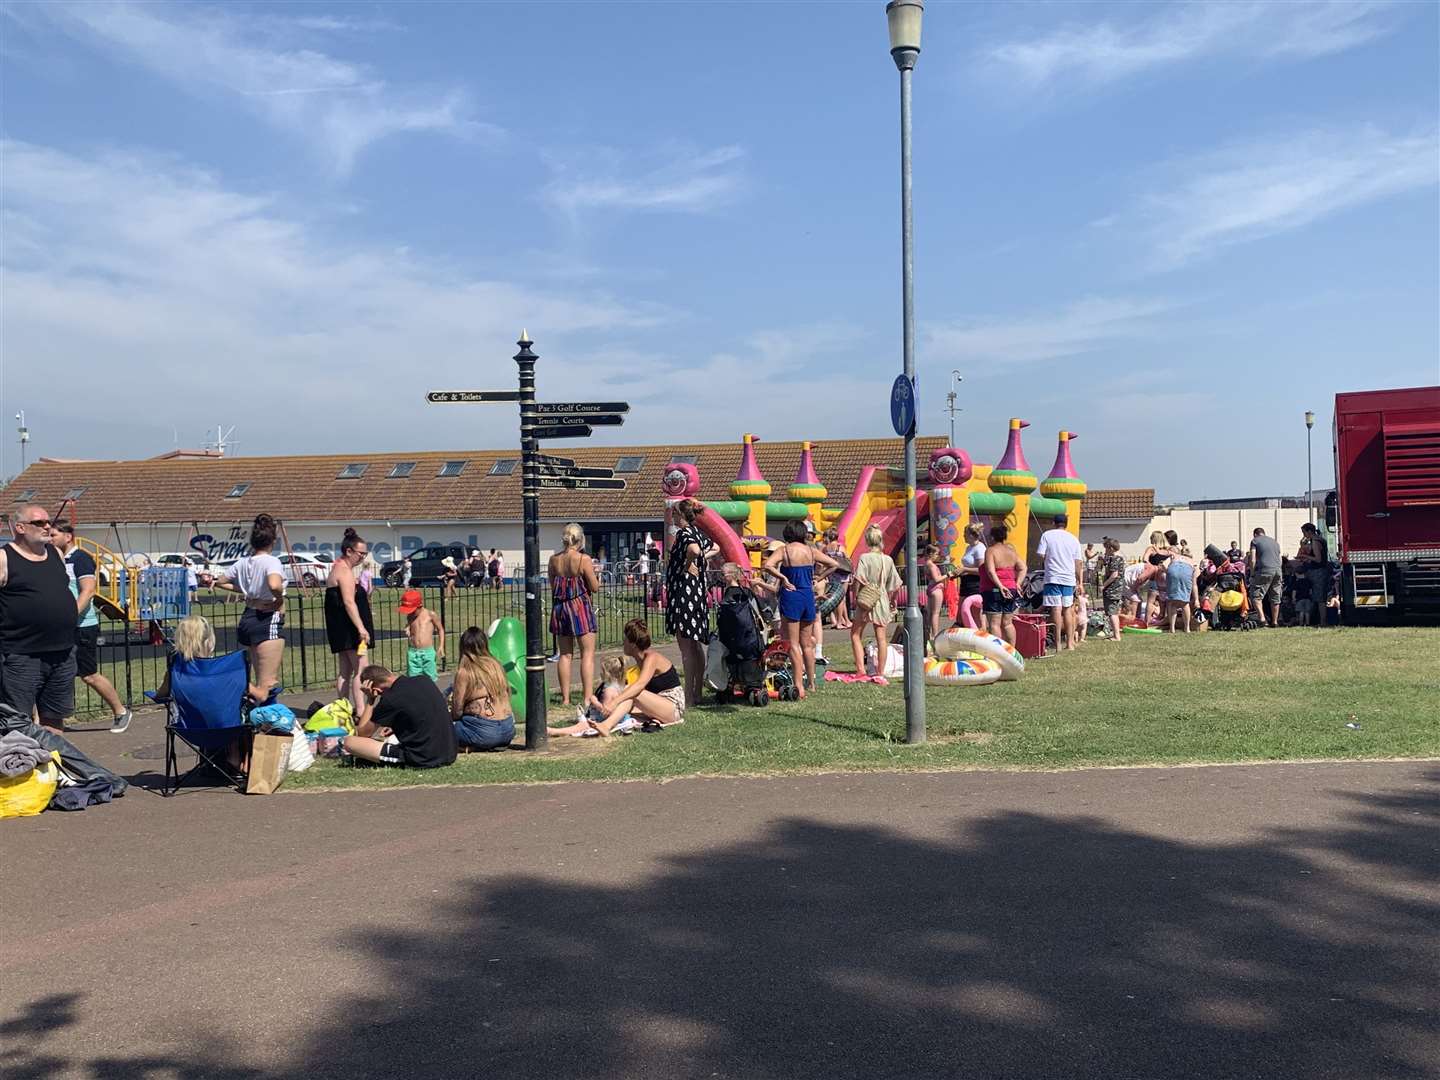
pixel 25 796
pixel 339 713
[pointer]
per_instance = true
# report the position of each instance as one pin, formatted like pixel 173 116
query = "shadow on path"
pixel 1025 946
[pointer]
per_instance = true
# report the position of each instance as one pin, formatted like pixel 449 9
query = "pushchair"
pixel 1231 609
pixel 743 633
pixel 1225 602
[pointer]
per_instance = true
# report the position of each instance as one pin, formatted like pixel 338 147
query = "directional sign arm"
pixel 571 470
pixel 555 431
pixel 470 397
pixel 578 483
pixel 572 408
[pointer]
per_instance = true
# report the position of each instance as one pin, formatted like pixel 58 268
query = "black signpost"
pixel 542 420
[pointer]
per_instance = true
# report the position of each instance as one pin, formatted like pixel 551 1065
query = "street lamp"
pixel 904 19
pixel 955 377
pixel 24 437
pixel 1309 468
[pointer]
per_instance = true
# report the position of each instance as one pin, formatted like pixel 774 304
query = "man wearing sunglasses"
pixel 37 623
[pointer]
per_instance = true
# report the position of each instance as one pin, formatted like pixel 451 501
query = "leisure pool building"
pixel 400 502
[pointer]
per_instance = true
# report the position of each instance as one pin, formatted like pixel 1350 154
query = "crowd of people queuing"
pixel 49 627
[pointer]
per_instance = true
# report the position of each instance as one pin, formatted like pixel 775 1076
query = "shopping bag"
pixel 301 756
pixel 717 673
pixel 269 763
pixel 894 661
pixel 28 794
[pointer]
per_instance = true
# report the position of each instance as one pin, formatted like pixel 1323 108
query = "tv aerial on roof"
pixel 223 439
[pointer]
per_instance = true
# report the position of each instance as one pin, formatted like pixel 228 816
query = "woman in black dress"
pixel 348 624
pixel 687 611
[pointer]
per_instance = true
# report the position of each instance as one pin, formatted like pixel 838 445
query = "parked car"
pixel 191 559
pixel 426 564
pixel 305 567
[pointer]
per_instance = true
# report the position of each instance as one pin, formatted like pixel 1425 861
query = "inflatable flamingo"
pixel 970 611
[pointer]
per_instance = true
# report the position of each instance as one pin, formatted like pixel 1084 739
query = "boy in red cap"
pixel 426 634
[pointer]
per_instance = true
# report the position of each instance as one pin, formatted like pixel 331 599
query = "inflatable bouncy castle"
pixel 955 491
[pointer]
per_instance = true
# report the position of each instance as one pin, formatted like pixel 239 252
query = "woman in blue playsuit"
pixel 795 565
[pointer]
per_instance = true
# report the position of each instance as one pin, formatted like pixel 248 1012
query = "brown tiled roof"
pixel 308 489
pixel 1137 504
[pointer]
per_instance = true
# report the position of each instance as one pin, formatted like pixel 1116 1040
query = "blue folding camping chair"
pixel 207 695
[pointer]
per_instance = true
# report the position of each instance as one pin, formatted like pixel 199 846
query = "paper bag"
pixel 269 763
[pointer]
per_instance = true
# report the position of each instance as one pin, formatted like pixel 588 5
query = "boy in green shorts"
pixel 426 634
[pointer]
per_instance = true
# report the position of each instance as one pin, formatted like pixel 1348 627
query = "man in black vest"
pixel 37 623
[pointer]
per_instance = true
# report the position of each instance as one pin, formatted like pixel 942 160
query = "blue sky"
pixel 1171 228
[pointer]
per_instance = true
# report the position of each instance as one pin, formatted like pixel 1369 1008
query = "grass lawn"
pixel 1216 697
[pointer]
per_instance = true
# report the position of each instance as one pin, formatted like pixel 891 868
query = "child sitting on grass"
pixel 598 705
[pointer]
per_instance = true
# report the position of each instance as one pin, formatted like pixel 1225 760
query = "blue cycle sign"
pixel 902 406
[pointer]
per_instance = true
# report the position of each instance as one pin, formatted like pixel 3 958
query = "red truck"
pixel 1386 505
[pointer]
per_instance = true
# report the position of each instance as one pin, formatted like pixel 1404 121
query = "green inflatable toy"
pixel 507 645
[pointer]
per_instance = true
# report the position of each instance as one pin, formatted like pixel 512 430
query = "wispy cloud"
pixel 339 106
pixel 768 364
pixel 674 179
pixel 1100 53
pixel 1256 189
pixel 1082 327
pixel 126 268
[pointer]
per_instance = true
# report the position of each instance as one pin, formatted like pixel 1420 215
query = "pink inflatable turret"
pixel 749 483
pixel 1012 475
pixel 807 487
pixel 1063 482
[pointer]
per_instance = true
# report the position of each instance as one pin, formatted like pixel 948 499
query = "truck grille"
pixel 1412 463
pixel 1423 575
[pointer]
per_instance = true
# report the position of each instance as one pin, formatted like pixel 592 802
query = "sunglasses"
pixel 37 524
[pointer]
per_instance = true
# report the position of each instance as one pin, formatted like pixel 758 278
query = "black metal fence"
pixel 135 663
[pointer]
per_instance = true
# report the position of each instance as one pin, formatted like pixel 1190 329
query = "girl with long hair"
pixel 480 697
pixel 573 583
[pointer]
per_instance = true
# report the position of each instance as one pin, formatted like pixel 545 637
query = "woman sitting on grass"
pixel 480 698
pixel 656 698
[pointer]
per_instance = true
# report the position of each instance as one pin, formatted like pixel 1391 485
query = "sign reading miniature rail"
pixel 580 483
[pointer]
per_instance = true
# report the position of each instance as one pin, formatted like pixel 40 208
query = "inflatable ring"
pixel 959 639
pixel 1138 630
pixel 976 672
pixel 839 583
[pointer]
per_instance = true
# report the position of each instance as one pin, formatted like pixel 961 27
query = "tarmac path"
pixel 1235 921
